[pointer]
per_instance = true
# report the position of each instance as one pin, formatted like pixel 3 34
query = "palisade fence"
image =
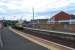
pixel 64 24
pixel 57 25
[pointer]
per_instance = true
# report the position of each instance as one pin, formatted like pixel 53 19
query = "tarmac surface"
pixel 12 41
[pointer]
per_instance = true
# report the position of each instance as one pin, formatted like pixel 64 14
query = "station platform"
pixel 12 41
pixel 43 42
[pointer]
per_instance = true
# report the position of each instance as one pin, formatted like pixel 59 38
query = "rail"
pixel 59 32
pixel 48 44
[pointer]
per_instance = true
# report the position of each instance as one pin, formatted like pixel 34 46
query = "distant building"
pixel 72 19
pixel 38 22
pixel 61 17
pixel 42 21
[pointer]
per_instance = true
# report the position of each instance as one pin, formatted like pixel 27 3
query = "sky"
pixel 22 9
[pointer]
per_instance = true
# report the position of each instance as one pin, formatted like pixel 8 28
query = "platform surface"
pixel 12 41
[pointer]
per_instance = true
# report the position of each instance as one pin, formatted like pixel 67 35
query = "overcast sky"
pixel 16 9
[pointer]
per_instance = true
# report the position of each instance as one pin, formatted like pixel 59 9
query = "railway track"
pixel 63 39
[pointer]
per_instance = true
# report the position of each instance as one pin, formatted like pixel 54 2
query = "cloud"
pixel 41 7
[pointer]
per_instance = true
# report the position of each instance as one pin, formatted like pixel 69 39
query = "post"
pixel 33 18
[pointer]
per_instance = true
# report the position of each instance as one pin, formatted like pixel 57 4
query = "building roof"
pixel 61 16
pixel 61 13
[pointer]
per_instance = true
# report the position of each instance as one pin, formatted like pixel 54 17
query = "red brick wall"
pixel 61 16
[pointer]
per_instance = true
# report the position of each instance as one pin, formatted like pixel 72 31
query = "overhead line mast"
pixel 33 12
pixel 33 16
